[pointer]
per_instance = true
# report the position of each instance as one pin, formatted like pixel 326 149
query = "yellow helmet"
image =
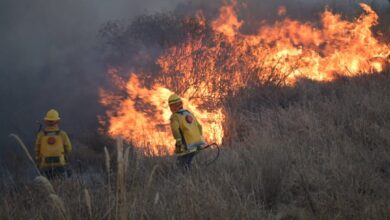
pixel 174 99
pixel 52 115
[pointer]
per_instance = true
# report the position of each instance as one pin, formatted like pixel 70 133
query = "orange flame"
pixel 207 69
pixel 143 117
pixel 282 10
pixel 227 22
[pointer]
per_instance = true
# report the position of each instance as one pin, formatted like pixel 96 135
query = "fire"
pixel 282 10
pixel 227 22
pixel 143 117
pixel 205 69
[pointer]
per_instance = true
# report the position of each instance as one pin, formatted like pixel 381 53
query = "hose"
pixel 208 163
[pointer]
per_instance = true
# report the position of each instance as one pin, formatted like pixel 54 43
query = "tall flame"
pixel 207 69
pixel 143 117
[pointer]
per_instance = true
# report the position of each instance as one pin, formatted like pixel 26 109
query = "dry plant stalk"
pixel 59 204
pixel 151 177
pixel 88 202
pixel 23 146
pixel 6 208
pixel 156 198
pixel 148 189
pixel 126 159
pixel 45 183
pixel 108 170
pixel 121 211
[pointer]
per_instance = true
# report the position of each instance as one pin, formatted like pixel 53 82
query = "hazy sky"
pixel 48 59
pixel 39 31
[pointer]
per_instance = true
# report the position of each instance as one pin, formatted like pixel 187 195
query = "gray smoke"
pixel 49 58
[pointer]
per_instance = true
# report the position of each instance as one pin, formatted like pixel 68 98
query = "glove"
pixel 200 147
pixel 180 148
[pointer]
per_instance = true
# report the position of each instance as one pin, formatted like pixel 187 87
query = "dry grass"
pixel 43 183
pixel 88 202
pixel 59 205
pixel 108 171
pixel 315 151
pixel 46 189
pixel 121 209
pixel 25 150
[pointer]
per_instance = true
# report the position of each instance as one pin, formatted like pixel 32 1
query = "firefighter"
pixel 186 130
pixel 52 147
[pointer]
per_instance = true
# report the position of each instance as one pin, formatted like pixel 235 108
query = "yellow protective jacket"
pixel 51 146
pixel 186 129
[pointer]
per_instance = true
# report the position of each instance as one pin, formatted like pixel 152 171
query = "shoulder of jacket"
pixel 184 112
pixel 61 132
pixel 40 133
pixel 173 116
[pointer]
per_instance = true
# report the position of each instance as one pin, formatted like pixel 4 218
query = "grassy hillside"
pixel 314 151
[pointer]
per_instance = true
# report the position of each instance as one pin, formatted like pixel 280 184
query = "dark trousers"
pixel 184 161
pixel 56 172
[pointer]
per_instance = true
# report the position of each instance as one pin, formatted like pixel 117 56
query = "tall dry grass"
pixel 314 151
pixel 88 203
pixel 121 206
pixel 108 172
pixel 25 150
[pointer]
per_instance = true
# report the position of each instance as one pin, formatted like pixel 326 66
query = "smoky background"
pixel 55 54
pixel 50 57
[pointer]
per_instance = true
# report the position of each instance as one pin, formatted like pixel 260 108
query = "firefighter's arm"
pixel 175 127
pixel 38 147
pixel 67 144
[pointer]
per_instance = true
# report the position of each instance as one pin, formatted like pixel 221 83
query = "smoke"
pixel 50 59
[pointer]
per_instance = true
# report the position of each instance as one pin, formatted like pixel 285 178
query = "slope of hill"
pixel 314 151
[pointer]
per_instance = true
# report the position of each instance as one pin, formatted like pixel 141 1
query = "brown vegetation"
pixel 314 151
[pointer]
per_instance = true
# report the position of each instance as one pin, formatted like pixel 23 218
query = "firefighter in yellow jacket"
pixel 186 130
pixel 52 146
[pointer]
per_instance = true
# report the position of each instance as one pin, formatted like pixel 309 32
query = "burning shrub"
pixel 207 61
